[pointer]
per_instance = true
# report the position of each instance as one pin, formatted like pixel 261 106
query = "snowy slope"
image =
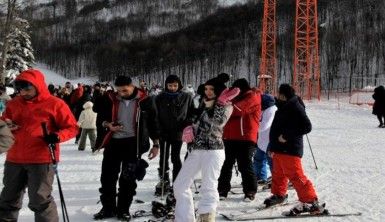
pixel 231 2
pixel 56 79
pixel 347 145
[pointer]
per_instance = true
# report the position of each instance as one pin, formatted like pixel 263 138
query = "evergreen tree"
pixel 20 52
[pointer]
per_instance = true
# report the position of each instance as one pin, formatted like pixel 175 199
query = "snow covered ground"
pixel 56 79
pixel 348 147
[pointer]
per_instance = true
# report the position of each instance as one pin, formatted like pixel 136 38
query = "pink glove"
pixel 227 95
pixel 188 134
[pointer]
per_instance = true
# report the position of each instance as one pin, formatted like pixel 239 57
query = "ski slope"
pixel 58 80
pixel 348 147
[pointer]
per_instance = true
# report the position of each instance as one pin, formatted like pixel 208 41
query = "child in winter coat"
pixel 261 159
pixel 87 121
pixel 206 154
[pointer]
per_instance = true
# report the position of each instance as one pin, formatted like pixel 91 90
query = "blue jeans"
pixel 261 162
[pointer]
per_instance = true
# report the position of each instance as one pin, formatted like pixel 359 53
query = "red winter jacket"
pixel 78 93
pixel 244 121
pixel 29 146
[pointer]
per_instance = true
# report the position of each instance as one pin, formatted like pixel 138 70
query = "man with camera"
pixel 130 119
pixel 28 163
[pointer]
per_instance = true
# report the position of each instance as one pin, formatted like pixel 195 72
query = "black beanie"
pixel 218 84
pixel 286 90
pixel 172 79
pixel 242 84
pixel 224 77
pixel 123 81
pixel 201 90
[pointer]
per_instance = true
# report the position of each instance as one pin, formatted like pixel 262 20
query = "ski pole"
pixel 196 188
pixel 311 150
pixel 52 148
pixel 164 167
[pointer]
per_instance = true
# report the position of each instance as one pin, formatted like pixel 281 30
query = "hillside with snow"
pixel 347 145
pixel 58 80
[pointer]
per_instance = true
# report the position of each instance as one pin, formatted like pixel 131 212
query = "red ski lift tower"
pixel 306 73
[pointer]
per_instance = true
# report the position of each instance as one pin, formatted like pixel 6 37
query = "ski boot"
pixel 164 183
pixel 208 217
pixel 104 214
pixel 124 217
pixel 170 200
pixel 158 188
pixel 314 208
pixel 274 200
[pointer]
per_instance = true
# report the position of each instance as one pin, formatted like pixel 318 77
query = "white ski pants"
pixel 209 162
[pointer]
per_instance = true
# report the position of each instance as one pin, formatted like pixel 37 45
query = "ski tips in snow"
pixel 230 217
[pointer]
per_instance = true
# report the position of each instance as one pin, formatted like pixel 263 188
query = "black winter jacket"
pixel 379 101
pixel 174 113
pixel 292 122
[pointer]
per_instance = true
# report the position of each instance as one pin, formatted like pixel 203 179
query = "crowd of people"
pixel 222 123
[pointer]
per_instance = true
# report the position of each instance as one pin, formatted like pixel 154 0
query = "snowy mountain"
pixel 150 39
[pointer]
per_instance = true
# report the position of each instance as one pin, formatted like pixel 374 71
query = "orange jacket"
pixel 29 146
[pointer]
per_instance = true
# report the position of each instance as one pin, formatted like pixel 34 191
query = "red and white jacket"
pixel 244 121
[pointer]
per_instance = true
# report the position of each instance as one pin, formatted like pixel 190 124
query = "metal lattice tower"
pixel 306 75
pixel 268 66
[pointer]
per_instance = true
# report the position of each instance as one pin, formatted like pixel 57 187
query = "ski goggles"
pixel 22 85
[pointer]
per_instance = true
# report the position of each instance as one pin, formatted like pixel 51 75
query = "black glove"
pixel 51 138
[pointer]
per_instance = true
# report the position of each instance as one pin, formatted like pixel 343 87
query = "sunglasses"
pixel 23 85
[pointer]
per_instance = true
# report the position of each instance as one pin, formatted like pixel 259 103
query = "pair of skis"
pixel 250 214
pixel 251 218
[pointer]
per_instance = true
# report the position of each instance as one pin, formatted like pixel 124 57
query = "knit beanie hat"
pixel 172 79
pixel 286 90
pixel 218 84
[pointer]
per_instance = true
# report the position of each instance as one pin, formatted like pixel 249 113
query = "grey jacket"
pixel 209 130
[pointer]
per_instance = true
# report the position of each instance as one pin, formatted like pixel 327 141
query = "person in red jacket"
pixel 28 163
pixel 240 137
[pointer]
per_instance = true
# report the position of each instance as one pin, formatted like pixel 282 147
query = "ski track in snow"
pixel 348 147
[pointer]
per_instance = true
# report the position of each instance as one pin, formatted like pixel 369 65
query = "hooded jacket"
pixel 87 119
pixel 174 113
pixel 29 146
pixel 244 121
pixel 292 123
